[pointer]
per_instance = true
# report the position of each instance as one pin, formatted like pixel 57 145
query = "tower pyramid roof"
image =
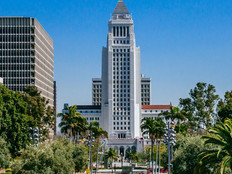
pixel 121 8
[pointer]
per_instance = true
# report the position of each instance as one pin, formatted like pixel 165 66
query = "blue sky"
pixel 182 42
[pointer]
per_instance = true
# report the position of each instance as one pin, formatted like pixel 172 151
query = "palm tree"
pixel 93 127
pixel 155 130
pixel 98 134
pixel 221 138
pixel 111 154
pixel 72 123
pixel 131 155
pixel 174 114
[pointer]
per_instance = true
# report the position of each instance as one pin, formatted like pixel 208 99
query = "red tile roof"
pixel 156 106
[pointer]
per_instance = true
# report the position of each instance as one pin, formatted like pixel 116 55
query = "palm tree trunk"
pixel 152 156
pixel 159 156
pixel 97 158
pixel 149 158
pixel 112 165
pixel 156 158
pixel 70 135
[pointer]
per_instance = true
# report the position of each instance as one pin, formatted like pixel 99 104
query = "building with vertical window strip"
pixel 26 55
pixel 121 98
pixel 96 91
pixel 121 77
pixel 145 91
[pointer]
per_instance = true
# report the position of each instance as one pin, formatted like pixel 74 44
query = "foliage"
pixel 154 128
pixel 54 157
pixel 4 154
pixel 132 155
pixel 111 154
pixel 221 137
pixel 147 153
pixel 185 154
pixel 175 114
pixel 225 107
pixel 19 112
pixel 80 157
pixel 143 156
pixel 72 123
pixel 39 108
pixel 199 108
pixel 97 131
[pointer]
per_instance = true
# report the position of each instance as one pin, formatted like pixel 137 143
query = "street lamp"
pixel 90 141
pixel 122 160
pixel 169 140
pixel 35 136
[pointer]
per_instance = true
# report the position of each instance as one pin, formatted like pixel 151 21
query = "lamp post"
pixel 122 160
pixel 90 141
pixel 169 140
pixel 89 160
pixel 159 155
pixel 103 151
pixel 35 136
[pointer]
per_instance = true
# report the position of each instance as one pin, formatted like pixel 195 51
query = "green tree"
pixel 98 133
pixel 131 155
pixel 38 107
pixel 155 130
pixel 52 158
pixel 93 127
pixel 175 114
pixel 111 154
pixel 185 154
pixel 220 137
pixel 72 123
pixel 4 154
pixel 80 157
pixel 14 120
pixel 224 107
pixel 200 106
pixel 18 113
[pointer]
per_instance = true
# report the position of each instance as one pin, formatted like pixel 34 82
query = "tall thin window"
pixel 114 31
pixel 128 32
pixel 120 31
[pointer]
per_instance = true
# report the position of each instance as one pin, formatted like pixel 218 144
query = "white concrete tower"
pixel 121 77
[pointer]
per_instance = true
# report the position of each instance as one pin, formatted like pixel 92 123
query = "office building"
pixel 26 55
pixel 121 98
pixel 145 91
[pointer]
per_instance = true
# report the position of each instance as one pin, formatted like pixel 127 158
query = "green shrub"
pixel 80 157
pixel 4 154
pixel 186 154
pixel 48 158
